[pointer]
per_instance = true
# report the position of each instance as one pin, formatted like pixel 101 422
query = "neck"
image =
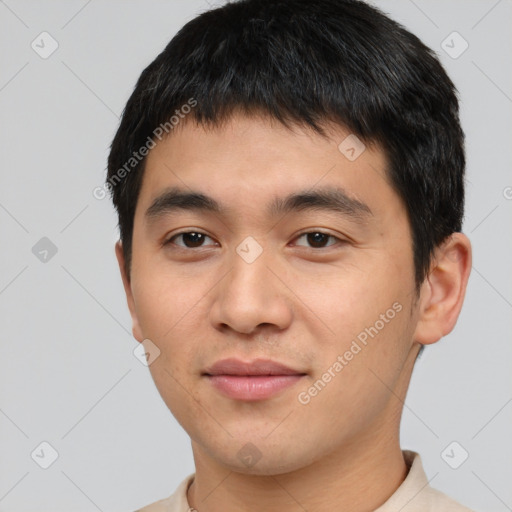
pixel 358 478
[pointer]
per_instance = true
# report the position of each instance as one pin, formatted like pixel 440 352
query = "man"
pixel 289 182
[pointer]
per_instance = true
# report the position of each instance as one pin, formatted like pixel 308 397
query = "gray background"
pixel 67 372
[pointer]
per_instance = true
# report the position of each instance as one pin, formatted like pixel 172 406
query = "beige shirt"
pixel 413 495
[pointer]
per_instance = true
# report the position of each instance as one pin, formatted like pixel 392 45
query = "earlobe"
pixel 442 293
pixel 136 330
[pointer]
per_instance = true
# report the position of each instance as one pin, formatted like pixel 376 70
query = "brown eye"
pixel 317 239
pixel 190 239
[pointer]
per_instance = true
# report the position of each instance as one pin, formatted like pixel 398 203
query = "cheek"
pixel 168 314
pixel 172 310
pixel 363 318
pixel 353 379
pixel 345 299
pixel 161 301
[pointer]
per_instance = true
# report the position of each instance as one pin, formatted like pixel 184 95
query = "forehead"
pixel 249 161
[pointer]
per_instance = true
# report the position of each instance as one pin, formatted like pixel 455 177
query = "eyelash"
pixel 170 240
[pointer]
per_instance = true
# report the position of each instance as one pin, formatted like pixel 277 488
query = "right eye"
pixel 190 239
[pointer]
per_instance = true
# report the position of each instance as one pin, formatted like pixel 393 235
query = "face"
pixel 306 260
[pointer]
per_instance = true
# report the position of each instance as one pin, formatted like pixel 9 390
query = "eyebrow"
pixel 329 198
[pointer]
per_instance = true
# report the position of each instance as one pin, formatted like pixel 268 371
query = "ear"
pixel 442 292
pixel 136 330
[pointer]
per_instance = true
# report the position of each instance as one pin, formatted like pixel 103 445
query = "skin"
pixel 296 303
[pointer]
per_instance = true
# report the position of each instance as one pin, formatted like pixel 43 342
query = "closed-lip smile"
pixel 251 381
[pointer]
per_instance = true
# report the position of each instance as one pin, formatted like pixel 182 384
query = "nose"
pixel 251 296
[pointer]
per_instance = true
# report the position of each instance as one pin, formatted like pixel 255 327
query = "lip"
pixel 250 381
pixel 233 366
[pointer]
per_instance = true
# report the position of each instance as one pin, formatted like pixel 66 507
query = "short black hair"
pixel 308 62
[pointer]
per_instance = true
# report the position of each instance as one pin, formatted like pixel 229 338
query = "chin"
pixel 252 459
pixel 267 468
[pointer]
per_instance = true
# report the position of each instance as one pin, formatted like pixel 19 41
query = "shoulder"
pixel 440 502
pixel 157 506
pixel 415 493
pixel 176 502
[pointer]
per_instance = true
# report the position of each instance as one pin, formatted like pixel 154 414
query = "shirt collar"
pixel 413 491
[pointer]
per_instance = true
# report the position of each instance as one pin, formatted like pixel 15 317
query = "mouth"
pixel 251 381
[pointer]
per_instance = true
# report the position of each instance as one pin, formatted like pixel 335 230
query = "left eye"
pixel 191 239
pixel 317 239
